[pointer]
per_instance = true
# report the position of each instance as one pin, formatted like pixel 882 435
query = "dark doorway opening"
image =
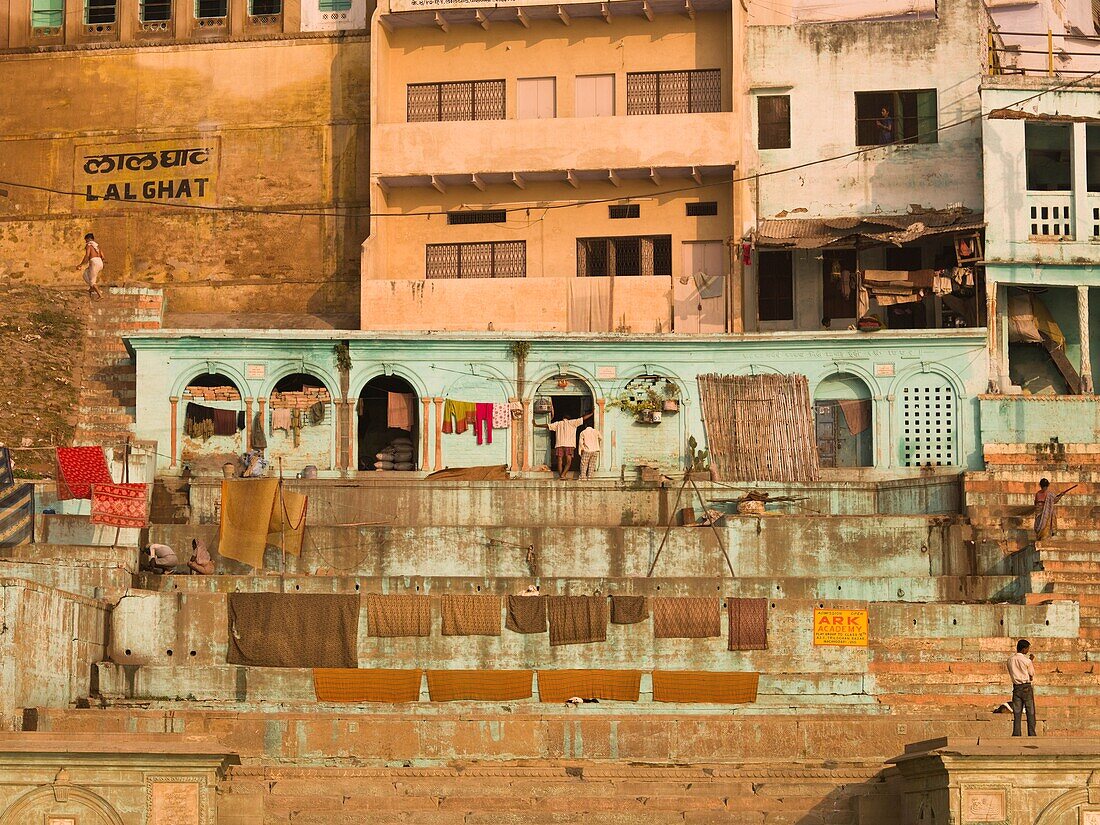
pixel 388 433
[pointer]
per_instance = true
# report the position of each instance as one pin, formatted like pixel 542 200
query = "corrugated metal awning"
pixel 868 230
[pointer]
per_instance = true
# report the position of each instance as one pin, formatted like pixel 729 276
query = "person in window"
pixel 886 127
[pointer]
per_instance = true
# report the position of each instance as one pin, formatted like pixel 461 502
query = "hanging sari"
pixel 1046 520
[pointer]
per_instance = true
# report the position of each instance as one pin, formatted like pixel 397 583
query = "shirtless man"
pixel 92 265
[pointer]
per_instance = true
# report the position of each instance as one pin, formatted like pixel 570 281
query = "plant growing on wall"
pixel 645 407
pixel 342 353
pixel 519 350
pixel 700 459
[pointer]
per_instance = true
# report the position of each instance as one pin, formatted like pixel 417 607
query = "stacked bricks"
pixel 227 393
pixel 301 399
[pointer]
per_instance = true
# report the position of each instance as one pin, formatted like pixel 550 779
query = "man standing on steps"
pixel 92 265
pixel 1021 671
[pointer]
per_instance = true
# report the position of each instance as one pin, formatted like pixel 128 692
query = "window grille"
pixel 664 93
pixel 774 286
pixel 99 12
pixel 463 100
pixel 264 8
pixel 156 11
pixel 478 216
pixel 928 424
pixel 701 209
pixel 1051 222
pixel 490 259
pixel 773 115
pixel 205 9
pixel 626 210
pixel 334 5
pixel 624 256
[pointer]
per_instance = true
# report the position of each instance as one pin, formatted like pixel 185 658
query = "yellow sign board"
pixel 178 171
pixel 842 628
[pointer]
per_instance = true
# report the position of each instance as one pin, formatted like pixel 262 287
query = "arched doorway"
pixel 570 397
pixel 300 423
pixel 843 418
pixel 388 425
pixel 213 422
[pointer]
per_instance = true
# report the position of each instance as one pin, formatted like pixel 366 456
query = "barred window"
pixel 261 8
pixel 155 11
pixel 490 259
pixel 636 255
pixel 666 93
pixel 205 9
pixel 99 12
pixel 619 211
pixel 463 100
pixel 477 216
pixel 699 209
pixel 773 115
pixel 774 286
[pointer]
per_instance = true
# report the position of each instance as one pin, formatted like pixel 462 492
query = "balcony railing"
pixel 1094 214
pixel 1050 216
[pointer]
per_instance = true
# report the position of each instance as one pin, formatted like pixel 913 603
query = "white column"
pixel 1086 349
pixel 1082 216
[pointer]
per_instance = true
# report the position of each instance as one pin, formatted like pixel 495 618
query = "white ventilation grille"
pixel 928 424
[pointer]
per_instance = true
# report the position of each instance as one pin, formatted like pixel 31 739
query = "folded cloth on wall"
pixel 700 686
pixel 398 615
pixel 78 468
pixel 686 617
pixel 120 505
pixel 280 418
pixel 366 685
pixel 628 609
pixel 526 614
pixel 470 615
pixel 857 414
pixel 614 685
pixel 479 685
pixel 287 526
pixel 293 629
pixel 748 624
pixel 494 472
pixel 259 437
pixel 400 410
pixel 16 515
pixel 577 620
pixel 7 477
pixel 245 518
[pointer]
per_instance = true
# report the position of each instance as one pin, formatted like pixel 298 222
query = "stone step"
pixel 1070 568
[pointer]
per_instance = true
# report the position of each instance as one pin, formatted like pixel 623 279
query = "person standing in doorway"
pixel 92 265
pixel 1021 670
pixel 591 441
pixel 565 439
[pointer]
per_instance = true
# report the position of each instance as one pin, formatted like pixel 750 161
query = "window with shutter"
pixel 47 14
pixel 595 95
pixel 774 121
pixel 536 97
pixel 679 92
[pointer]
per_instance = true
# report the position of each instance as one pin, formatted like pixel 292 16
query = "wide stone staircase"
pixel 946 598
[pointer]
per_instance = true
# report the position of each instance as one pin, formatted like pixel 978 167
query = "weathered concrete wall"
pixel 1037 419
pixel 289 122
pixel 50 645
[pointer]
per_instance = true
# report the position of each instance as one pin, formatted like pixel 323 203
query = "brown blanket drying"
pixel 374 685
pixel 628 609
pixel 686 617
pixel 707 687
pixel 496 472
pixel 577 619
pixel 479 685
pixel 293 629
pixel 748 624
pixel 398 615
pixel 526 614
pixel 614 685
pixel 470 615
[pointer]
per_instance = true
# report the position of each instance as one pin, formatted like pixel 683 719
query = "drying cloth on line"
pixel 120 505
pixel 577 620
pixel 457 415
pixel 293 629
pixel 628 609
pixel 398 615
pixel 245 518
pixel 703 686
pixel 17 515
pixel 78 468
pixel 258 440
pixel 493 472
pixel 483 422
pixel 857 414
pixel 686 617
pixel 470 615
pixel 367 685
pixel 316 413
pixel 400 409
pixel 502 416
pixel 748 624
pixel 280 418
pixel 479 685
pixel 225 422
pixel 613 685
pixel 7 477
pixel 288 521
pixel 526 614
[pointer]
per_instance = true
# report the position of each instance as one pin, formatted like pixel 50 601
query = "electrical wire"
pixel 862 150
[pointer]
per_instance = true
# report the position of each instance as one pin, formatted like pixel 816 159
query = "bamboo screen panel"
pixel 759 427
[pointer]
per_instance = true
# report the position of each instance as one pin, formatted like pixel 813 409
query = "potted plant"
pixel 672 397
pixel 645 409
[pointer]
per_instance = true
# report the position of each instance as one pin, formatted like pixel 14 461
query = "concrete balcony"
pixel 412 154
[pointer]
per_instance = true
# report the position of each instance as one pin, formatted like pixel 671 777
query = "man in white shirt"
pixel 565 439
pixel 1021 671
pixel 591 442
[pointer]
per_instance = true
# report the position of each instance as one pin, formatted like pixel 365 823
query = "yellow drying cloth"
pixel 1045 322
pixel 479 685
pixel 246 514
pixel 707 687
pixel 373 685
pixel 613 685
pixel 288 521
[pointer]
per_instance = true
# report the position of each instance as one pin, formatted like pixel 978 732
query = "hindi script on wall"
pixel 179 171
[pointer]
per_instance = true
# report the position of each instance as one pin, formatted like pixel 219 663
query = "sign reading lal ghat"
pixel 182 171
